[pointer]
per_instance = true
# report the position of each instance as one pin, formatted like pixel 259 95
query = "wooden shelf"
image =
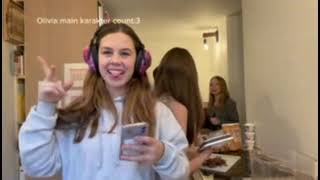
pixel 19 2
pixel 21 77
pixel 14 22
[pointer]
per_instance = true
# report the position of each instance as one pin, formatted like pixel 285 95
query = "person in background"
pixel 221 107
pixel 83 139
pixel 176 85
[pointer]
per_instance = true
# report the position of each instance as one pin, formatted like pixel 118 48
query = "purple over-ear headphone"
pixel 88 58
pixel 143 60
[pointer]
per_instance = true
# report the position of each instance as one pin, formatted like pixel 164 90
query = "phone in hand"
pixel 128 132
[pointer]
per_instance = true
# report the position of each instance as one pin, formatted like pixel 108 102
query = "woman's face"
pixel 117 58
pixel 215 87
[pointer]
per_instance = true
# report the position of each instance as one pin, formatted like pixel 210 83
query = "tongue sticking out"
pixel 116 72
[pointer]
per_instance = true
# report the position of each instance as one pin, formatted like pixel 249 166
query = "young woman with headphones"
pixel 83 139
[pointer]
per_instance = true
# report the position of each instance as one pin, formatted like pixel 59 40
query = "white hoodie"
pixel 45 151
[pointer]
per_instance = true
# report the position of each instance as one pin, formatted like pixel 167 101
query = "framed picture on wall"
pixel 75 72
pixel 72 94
pixel 14 25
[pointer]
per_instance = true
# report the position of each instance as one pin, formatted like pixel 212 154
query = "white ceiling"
pixel 189 15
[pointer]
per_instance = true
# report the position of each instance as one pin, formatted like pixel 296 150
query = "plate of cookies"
pixel 220 162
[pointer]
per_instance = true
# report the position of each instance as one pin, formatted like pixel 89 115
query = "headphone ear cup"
pixel 146 61
pixel 138 62
pixel 95 57
pixel 143 62
pixel 88 58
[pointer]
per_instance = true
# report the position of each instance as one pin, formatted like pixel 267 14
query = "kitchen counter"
pixel 255 166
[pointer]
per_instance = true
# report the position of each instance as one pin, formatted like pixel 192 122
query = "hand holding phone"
pixel 147 150
pixel 129 132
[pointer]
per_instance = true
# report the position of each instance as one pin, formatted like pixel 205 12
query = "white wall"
pixel 209 62
pixel 9 136
pixel 219 53
pixel 281 84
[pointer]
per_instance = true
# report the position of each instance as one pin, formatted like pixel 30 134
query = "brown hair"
pixel 85 111
pixel 224 90
pixel 176 76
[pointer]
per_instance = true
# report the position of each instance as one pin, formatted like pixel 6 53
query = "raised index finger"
pixel 48 70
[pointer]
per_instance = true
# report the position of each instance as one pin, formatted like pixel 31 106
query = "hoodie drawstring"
pixel 100 163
